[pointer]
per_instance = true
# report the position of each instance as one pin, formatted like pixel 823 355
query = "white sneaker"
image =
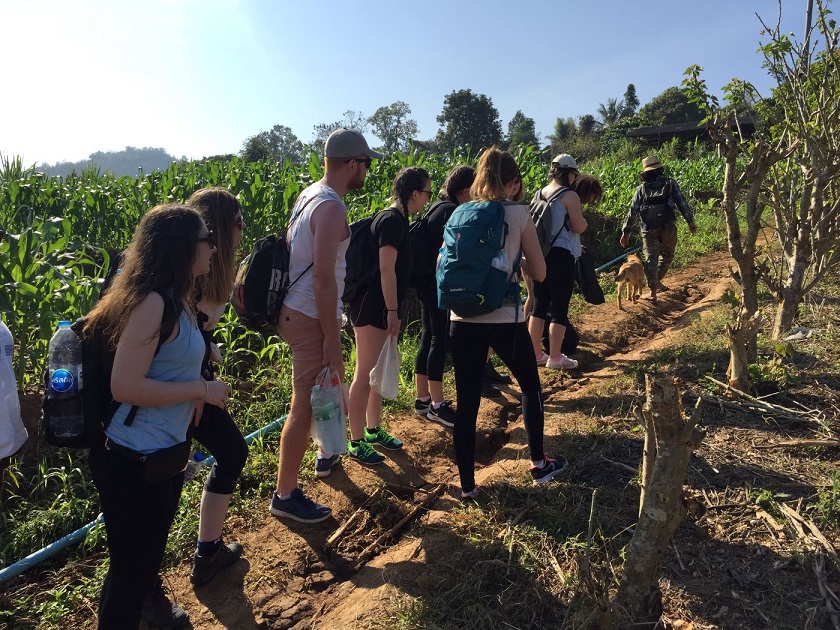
pixel 542 358
pixel 561 363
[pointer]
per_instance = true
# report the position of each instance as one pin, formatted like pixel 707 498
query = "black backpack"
pixel 425 248
pixel 98 404
pixel 362 256
pixel 540 207
pixel 657 209
pixel 262 279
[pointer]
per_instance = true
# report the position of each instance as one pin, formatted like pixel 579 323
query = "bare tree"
pixel 790 167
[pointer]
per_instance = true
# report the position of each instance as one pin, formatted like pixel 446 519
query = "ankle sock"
pixel 425 399
pixel 209 547
pixel 539 464
pixel 437 405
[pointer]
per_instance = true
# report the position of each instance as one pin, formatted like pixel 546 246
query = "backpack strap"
pixel 551 199
pixel 168 307
pixel 295 216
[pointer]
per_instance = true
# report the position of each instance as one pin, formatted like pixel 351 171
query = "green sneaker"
pixel 380 436
pixel 364 453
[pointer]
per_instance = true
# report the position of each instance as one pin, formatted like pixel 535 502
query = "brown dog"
pixel 632 275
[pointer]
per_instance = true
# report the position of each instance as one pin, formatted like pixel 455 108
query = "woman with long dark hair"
pixel 376 313
pixel 498 179
pixel 214 426
pixel 431 353
pixel 148 317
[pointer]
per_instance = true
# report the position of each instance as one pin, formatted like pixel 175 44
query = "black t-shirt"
pixel 436 220
pixel 391 228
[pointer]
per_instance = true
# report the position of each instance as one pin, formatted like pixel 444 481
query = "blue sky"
pixel 197 77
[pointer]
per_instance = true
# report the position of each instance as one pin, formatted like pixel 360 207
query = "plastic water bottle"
pixel 66 382
pixel 324 408
pixel 502 262
pixel 194 465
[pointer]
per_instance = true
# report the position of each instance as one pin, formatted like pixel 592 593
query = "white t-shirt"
pixel 518 217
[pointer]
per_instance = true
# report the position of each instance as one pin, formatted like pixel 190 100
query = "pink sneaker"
pixel 561 363
pixel 542 358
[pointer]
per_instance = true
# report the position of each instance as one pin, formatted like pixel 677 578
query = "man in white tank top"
pixel 310 320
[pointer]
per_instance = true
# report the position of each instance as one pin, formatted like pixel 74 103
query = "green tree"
pixel 350 120
pixel 278 144
pixel 521 130
pixel 610 112
pixel 669 107
pixel 393 126
pixel 468 121
pixel 631 102
pixel 587 125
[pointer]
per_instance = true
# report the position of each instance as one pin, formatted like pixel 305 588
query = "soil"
pixel 727 567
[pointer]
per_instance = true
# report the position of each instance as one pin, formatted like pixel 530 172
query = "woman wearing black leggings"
pixel 498 179
pixel 431 354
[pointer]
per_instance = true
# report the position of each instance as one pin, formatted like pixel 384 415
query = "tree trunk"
pixel 741 336
pixel 638 598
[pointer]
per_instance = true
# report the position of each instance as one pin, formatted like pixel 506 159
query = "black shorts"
pixel 369 310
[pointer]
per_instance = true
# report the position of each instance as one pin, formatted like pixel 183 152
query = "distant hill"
pixel 120 163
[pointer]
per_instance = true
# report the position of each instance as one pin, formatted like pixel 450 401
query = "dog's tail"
pixel 621 276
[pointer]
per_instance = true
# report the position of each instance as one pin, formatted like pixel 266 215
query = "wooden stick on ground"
pixel 340 531
pixel 799 443
pixel 371 549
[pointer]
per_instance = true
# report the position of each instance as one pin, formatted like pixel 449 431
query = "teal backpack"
pixel 474 275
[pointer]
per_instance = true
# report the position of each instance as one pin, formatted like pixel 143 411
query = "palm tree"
pixel 610 112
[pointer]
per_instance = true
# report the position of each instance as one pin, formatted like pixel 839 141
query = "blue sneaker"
pixel 323 465
pixel 300 508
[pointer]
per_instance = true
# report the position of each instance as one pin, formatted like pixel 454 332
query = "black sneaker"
pixel 299 507
pixel 488 390
pixel 493 376
pixel 421 408
pixel 444 414
pixel 206 567
pixel 161 612
pixel 550 469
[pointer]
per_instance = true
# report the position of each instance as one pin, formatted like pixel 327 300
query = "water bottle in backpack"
pixel 65 383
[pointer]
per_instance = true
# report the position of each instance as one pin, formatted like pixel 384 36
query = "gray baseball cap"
pixel 345 143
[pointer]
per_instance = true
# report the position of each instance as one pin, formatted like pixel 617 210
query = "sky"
pixel 198 77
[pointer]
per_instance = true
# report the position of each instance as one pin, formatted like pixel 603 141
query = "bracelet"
pixel 206 390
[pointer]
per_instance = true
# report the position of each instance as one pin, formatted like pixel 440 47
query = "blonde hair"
pixel 218 207
pixel 495 170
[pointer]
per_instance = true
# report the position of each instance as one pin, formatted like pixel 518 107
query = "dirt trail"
pixel 290 577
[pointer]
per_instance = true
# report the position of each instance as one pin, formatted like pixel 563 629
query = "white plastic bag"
pixel 329 413
pixel 385 375
pixel 12 432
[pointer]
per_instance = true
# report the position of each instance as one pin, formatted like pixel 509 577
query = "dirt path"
pixel 291 577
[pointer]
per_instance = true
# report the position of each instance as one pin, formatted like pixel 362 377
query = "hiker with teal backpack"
pixel 562 248
pixel 483 295
pixel 426 236
pixel 376 311
pixel 138 466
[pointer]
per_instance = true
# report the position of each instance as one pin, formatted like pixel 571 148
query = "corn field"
pixel 54 251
